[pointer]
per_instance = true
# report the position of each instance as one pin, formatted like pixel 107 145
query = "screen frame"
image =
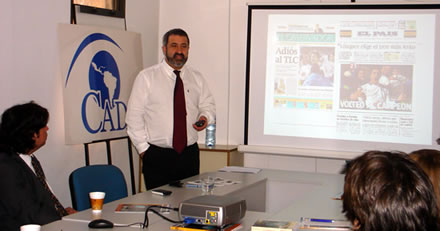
pixel 324 7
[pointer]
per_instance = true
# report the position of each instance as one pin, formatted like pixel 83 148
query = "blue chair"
pixel 102 178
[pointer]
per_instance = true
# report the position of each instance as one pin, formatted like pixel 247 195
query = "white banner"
pixel 98 67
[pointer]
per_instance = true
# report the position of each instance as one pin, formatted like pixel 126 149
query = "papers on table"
pixel 239 169
pixel 323 224
pixel 141 208
pixel 218 182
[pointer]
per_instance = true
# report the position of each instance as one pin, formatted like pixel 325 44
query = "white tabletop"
pixel 269 194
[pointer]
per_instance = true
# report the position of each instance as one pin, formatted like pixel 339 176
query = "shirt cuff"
pixel 142 147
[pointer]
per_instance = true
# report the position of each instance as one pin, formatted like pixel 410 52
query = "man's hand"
pixel 70 210
pixel 205 123
pixel 142 155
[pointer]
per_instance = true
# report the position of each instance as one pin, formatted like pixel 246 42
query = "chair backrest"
pixel 102 178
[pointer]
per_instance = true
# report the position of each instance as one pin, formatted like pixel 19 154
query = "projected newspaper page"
pixel 363 77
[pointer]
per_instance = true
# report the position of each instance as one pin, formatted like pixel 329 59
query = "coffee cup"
pixel 30 227
pixel 96 200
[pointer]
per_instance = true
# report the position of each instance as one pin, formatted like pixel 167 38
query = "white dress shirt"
pixel 150 107
pixel 28 160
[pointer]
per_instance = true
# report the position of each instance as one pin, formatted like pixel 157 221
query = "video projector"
pixel 212 210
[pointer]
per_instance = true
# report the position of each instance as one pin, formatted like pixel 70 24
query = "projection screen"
pixel 343 77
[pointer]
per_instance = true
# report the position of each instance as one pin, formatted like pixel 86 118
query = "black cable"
pixel 146 221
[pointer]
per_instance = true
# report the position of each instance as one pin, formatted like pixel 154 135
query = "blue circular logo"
pixel 104 78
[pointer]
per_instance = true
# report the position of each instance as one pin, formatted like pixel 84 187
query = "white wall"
pixel 28 71
pixel 206 22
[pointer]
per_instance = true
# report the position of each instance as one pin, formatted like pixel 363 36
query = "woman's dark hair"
pixel 388 191
pixel 19 124
pixel 176 31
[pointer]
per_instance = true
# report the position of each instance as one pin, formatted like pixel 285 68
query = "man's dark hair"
pixel 176 31
pixel 388 191
pixel 429 161
pixel 19 124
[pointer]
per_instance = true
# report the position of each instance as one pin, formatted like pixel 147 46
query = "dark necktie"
pixel 40 175
pixel 179 132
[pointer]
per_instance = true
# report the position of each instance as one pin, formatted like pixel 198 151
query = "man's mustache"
pixel 180 54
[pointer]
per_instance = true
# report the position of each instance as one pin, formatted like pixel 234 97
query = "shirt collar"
pixel 27 159
pixel 170 71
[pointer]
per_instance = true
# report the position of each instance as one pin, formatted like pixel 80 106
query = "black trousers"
pixel 162 166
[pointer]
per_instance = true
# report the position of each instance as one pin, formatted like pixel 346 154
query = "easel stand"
pixel 109 156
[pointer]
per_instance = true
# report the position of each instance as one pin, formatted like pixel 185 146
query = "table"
pixel 269 194
pixel 211 159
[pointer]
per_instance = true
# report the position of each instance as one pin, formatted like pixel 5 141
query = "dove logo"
pixel 101 109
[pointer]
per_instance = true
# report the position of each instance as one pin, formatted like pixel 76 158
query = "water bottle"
pixel 210 135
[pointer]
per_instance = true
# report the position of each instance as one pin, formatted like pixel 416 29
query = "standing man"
pixel 169 104
pixel 25 196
